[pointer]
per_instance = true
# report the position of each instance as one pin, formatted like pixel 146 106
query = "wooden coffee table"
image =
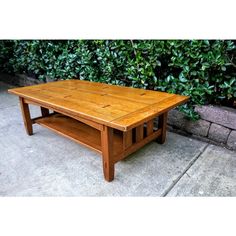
pixel 113 120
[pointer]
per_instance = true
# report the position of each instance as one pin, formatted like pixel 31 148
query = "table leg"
pixel 107 153
pixel 162 123
pixel 26 116
pixel 44 111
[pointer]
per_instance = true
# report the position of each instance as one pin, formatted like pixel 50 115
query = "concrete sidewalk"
pixel 47 164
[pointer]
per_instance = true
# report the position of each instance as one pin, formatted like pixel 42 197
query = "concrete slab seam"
pixel 184 172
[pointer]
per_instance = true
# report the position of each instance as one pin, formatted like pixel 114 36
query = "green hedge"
pixel 202 69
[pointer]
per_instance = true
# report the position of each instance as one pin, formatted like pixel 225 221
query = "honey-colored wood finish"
pixel 137 145
pixel 118 107
pixel 56 111
pixel 73 129
pixel 150 126
pixel 26 116
pixel 112 120
pixel 107 153
pixel 139 133
pixel 128 139
pixel 162 122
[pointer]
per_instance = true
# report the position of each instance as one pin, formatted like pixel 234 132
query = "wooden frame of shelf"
pixel 113 144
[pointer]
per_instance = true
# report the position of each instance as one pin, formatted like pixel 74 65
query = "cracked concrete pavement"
pixel 46 164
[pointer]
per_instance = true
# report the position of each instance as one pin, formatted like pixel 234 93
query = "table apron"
pixel 83 120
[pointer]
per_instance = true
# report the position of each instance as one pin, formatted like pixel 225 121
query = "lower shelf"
pixel 79 132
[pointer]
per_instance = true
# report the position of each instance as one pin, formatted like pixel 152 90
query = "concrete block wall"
pixel 217 124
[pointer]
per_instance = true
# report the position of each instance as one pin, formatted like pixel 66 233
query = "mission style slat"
pixel 113 120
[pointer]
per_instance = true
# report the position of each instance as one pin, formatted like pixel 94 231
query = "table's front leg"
pixel 107 153
pixel 162 123
pixel 26 116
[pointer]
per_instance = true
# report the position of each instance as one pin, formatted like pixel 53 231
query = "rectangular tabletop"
pixel 116 106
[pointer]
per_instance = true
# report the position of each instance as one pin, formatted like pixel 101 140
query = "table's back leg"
pixel 162 123
pixel 44 111
pixel 107 153
pixel 26 116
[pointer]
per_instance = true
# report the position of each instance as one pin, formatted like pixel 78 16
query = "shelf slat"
pixel 78 131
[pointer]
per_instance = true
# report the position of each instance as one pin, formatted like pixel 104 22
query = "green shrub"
pixel 6 52
pixel 202 69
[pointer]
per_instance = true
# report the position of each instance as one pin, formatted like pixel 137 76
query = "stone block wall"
pixel 217 124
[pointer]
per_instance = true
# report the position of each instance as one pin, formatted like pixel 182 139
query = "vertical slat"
pixel 107 153
pixel 162 122
pixel 127 139
pixel 139 133
pixel 150 127
pixel 26 116
pixel 44 111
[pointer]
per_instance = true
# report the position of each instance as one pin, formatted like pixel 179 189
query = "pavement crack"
pixel 184 172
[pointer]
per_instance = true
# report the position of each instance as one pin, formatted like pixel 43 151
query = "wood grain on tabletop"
pixel 116 106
